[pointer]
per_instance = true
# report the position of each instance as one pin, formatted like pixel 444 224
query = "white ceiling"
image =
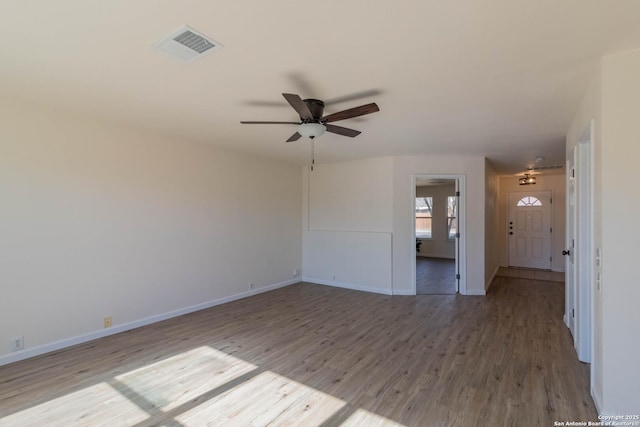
pixel 500 78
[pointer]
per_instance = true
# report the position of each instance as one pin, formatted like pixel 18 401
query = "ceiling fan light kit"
pixel 311 130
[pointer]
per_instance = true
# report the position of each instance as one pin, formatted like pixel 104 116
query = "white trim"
pixel 403 292
pixel 596 400
pixel 476 292
pixel 460 180
pixel 584 254
pixel 79 339
pixel 343 285
pixel 592 254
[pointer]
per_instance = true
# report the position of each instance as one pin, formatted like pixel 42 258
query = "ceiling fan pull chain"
pixel 313 154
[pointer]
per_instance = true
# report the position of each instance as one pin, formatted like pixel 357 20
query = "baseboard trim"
pixel 346 285
pixel 79 339
pixel 596 401
pixel 475 293
pixel 403 292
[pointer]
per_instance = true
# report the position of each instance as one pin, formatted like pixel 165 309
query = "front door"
pixel 530 229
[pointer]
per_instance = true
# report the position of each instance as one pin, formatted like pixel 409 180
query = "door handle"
pixel 567 252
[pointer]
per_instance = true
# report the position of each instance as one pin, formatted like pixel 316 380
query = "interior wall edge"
pixel 493 276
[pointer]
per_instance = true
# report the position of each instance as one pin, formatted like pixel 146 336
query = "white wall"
pixel 348 224
pixel 439 245
pixel 350 259
pixel 351 196
pixel 611 101
pixel 491 224
pixel 97 221
pixel 620 203
pixel 556 184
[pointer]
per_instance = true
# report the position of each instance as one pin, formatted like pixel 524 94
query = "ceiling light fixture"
pixel 311 130
pixel 527 180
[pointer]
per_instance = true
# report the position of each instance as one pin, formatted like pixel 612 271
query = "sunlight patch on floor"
pixel 98 405
pixel 202 386
pixel 266 399
pixel 364 418
pixel 176 380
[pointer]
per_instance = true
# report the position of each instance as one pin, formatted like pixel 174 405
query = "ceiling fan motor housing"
pixel 316 107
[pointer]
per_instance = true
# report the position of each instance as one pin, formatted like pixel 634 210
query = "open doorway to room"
pixel 437 233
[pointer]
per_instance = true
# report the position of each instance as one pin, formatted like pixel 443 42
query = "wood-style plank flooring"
pixel 435 276
pixel 314 355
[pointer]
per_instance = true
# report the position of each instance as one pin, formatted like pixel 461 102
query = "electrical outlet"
pixel 250 285
pixel 295 272
pixel 107 322
pixel 17 343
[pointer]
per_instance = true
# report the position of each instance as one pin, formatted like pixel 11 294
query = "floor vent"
pixel 187 45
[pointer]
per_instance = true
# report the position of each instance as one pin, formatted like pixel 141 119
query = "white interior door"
pixel 579 279
pixel 530 229
pixel 457 240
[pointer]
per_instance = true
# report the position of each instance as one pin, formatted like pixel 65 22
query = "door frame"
pixel 570 262
pixel 461 242
pixel 549 206
pixel 579 289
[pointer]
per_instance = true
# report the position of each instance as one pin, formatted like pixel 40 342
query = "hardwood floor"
pixel 435 276
pixel 316 355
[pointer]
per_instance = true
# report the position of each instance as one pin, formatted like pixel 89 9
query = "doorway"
pixel 529 229
pixel 437 234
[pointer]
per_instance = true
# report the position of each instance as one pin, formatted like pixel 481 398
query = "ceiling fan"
pixel 313 124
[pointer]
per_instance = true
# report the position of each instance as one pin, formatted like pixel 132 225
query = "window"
pixel 452 217
pixel 529 201
pixel 423 217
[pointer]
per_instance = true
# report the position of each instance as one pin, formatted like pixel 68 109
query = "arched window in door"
pixel 529 201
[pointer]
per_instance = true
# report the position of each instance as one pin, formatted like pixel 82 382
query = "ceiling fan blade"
pixel 354 96
pixel 342 130
pixel 296 136
pixel 268 123
pixel 298 104
pixel 351 112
